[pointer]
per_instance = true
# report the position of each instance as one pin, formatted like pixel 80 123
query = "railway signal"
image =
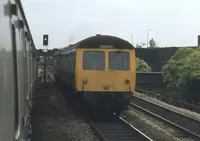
pixel 45 44
pixel 45 39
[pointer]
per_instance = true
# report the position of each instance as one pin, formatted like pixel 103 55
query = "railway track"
pixel 121 130
pixel 114 129
pixel 188 125
pixel 178 103
pixel 117 130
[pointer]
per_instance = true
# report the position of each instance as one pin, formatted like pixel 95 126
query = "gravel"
pixel 152 127
pixel 181 110
pixel 54 120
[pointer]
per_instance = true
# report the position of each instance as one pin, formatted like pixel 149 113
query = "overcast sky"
pixel 173 22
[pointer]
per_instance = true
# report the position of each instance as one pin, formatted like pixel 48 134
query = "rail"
pixel 174 102
pixel 50 74
pixel 118 129
pixel 180 121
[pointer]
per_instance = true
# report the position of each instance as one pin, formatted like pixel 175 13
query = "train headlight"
pixel 85 81
pixel 126 81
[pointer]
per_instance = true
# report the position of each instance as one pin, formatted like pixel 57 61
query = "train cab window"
pixel 119 61
pixel 15 78
pixel 93 60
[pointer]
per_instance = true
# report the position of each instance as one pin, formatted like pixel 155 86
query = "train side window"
pixel 68 64
pixel 15 79
pixel 58 60
pixel 63 59
pixel 74 61
pixel 70 60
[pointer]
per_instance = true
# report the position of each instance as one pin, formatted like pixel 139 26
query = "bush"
pixel 182 72
pixel 142 66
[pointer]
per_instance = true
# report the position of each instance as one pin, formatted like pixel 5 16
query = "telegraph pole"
pixel 45 44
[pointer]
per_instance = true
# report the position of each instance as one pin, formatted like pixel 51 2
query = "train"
pixel 18 72
pixel 100 69
pixel 49 60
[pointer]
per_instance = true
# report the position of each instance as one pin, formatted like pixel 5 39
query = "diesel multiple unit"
pixel 100 69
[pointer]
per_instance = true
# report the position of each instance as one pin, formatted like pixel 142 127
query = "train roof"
pixel 99 41
pixel 26 22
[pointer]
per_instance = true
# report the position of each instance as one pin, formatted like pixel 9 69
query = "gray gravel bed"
pixel 54 120
pixel 181 110
pixel 153 128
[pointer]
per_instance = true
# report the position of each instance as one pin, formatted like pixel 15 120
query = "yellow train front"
pixel 101 69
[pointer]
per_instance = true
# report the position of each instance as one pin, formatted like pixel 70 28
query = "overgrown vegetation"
pixel 142 66
pixel 182 72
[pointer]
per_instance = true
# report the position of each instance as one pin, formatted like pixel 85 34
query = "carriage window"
pixel 69 61
pixel 94 60
pixel 119 61
pixel 71 69
pixel 68 64
pixel 74 60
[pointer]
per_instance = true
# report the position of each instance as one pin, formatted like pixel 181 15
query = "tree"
pixel 174 70
pixel 138 46
pixel 152 43
pixel 142 66
pixel 182 72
